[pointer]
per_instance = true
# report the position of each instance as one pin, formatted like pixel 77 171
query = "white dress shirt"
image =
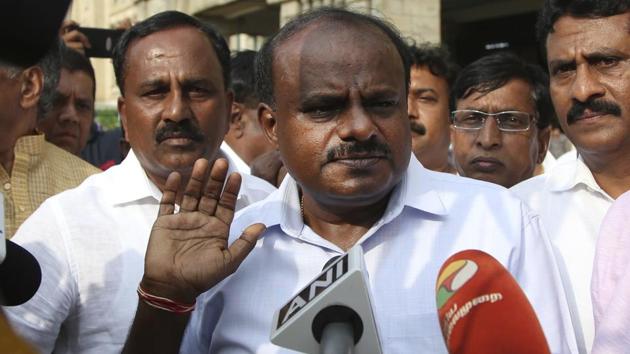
pixel 238 163
pixel 430 216
pixel 90 242
pixel 571 206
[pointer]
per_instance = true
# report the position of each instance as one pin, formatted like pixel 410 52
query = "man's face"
pixel 589 67
pixel 340 120
pixel 68 123
pixel 428 115
pixel 175 109
pixel 488 154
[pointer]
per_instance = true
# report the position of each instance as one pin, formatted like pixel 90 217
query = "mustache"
pixel 595 105
pixel 417 128
pixel 370 147
pixel 182 129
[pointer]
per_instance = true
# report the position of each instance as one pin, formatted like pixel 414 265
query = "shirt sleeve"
pixel 537 272
pixel 39 319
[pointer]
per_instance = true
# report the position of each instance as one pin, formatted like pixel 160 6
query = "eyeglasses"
pixel 508 121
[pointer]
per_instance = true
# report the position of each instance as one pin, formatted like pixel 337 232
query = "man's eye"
pixel 427 99
pixel 562 70
pixel 155 93
pixel 607 62
pixel 322 112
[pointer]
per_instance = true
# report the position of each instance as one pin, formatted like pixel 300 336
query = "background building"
pixel 470 28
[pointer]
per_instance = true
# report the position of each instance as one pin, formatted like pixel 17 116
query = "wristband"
pixel 163 303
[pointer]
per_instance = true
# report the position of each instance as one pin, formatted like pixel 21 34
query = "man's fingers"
pixel 212 191
pixel 227 203
pixel 194 186
pixel 240 248
pixel 167 203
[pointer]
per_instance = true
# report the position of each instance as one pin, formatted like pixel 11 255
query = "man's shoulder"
pixel 67 165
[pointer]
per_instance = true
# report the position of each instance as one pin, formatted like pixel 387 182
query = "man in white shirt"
pixel 334 90
pixel 173 74
pixel 587 47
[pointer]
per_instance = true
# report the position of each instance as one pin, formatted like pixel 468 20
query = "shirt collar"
pixel 132 182
pixel 235 161
pixel 570 172
pixel 30 144
pixel 417 190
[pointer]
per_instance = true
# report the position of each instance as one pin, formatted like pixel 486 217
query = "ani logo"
pixel 453 277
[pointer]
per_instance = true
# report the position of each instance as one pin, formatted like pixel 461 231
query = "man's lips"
pixel 590 115
pixel 486 164
pixel 359 160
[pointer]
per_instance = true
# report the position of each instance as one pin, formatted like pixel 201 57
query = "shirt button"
pixel 7 186
pixel 21 208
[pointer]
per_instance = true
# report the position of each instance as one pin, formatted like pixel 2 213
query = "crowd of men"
pixel 359 138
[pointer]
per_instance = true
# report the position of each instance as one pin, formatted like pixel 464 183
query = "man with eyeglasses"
pixel 500 125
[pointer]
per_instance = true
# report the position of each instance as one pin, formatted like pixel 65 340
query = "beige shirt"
pixel 40 170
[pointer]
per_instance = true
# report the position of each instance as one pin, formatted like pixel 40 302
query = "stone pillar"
pixel 416 19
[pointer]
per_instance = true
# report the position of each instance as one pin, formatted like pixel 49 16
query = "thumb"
pixel 240 248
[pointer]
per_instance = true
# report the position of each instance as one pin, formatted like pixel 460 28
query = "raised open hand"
pixel 188 251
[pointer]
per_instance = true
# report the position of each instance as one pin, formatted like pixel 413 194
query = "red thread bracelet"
pixel 163 303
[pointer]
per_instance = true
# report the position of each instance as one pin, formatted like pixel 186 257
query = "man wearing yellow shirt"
pixel 31 169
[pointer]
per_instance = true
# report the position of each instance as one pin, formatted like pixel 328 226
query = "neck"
pixel 612 173
pixel 342 225
pixel 243 151
pixel 6 158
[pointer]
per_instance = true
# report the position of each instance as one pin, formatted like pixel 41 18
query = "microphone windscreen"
pixel 20 276
pixel 482 309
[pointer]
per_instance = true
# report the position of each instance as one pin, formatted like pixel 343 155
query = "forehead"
pixel 422 77
pixel 516 94
pixel 580 36
pixel 69 79
pixel 174 51
pixel 337 55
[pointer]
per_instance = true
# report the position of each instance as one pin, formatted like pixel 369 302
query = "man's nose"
pixel 586 84
pixel 69 114
pixel 176 106
pixel 489 136
pixel 356 124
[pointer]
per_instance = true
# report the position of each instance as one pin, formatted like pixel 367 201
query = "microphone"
pixel 483 310
pixel 20 273
pixel 332 314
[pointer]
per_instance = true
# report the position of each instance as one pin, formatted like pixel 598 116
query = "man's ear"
pixel 32 82
pixel 122 113
pixel 236 120
pixel 268 122
pixel 543 143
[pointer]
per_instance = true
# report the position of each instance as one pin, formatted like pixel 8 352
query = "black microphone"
pixel 20 273
pixel 332 314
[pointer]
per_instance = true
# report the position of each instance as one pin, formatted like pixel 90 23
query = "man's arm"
pixel 188 254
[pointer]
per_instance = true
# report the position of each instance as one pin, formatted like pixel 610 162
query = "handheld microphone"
pixel 483 310
pixel 20 273
pixel 332 314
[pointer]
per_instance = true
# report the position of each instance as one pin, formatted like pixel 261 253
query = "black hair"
pixel 552 10
pixel 436 58
pixel 265 57
pixel 72 61
pixel 243 77
pixel 51 68
pixel 494 71
pixel 162 21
